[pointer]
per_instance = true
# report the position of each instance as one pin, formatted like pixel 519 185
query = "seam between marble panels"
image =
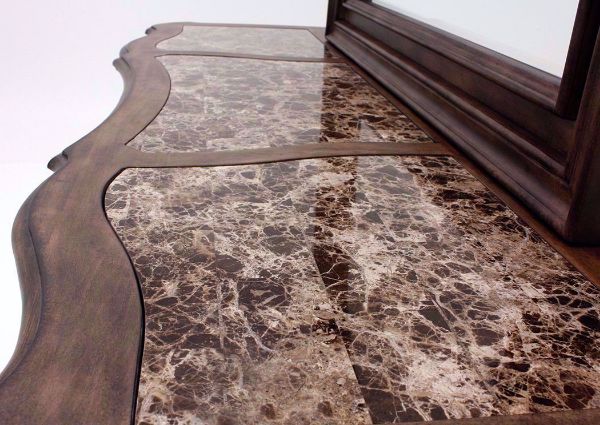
pixel 326 291
pixel 304 222
pixel 443 311
pixel 450 323
pixel 307 223
pixel 430 295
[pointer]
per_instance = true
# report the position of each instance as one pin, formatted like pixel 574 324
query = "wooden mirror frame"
pixel 533 132
pixel 80 347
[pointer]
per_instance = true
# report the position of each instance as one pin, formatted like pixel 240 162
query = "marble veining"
pixel 348 290
pixel 231 103
pixel 280 42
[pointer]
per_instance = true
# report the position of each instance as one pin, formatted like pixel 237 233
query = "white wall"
pixel 57 84
pixel 536 32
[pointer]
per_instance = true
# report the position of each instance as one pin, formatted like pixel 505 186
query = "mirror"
pixel 536 32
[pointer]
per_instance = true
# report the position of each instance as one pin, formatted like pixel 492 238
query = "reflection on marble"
pixel 229 103
pixel 349 290
pixel 283 42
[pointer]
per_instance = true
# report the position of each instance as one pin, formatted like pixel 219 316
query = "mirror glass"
pixel 536 32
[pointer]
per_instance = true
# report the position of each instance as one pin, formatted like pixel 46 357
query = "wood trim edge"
pixel 464 127
pixel 525 80
pixel 79 352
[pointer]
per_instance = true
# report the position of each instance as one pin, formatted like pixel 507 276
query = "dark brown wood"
pixel 529 82
pixel 471 73
pixel 583 221
pixel 540 125
pixel 29 278
pixel 333 10
pixel 81 337
pixel 582 417
pixel 80 345
pixel 578 59
pixel 490 107
pixel 287 153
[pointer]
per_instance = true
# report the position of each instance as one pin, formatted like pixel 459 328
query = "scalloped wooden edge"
pixel 80 346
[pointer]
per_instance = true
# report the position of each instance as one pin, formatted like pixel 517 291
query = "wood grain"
pixel 80 345
pixel 533 133
pixel 79 350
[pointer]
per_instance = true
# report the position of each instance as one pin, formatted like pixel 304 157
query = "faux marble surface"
pixel 284 42
pixel 231 103
pixel 348 290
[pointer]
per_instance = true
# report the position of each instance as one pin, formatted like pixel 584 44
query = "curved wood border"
pixel 81 337
pixel 77 355
pixel 79 350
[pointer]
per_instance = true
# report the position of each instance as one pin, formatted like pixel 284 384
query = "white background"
pixel 57 82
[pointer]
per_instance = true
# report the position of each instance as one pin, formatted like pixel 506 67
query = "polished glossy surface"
pixel 348 290
pixel 231 103
pixel 283 42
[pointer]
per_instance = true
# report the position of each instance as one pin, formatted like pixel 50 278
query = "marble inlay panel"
pixel 238 326
pixel 349 290
pixel 408 362
pixel 231 103
pixel 284 42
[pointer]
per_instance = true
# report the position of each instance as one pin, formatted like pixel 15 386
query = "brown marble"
pixel 230 341
pixel 282 42
pixel 348 290
pixel 231 103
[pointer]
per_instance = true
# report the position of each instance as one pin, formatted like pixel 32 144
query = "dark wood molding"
pixel 579 57
pixel 82 332
pixel 583 167
pixel 140 159
pixel 333 10
pixel 580 417
pixel 532 132
pixel 518 115
pixel 526 81
pixel 81 337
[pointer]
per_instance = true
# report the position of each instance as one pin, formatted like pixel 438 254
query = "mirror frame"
pixel 533 132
